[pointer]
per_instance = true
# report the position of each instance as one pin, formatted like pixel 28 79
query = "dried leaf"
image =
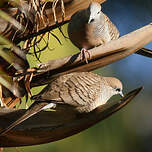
pixel 51 126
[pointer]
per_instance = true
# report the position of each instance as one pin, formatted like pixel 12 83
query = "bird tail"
pixel 33 109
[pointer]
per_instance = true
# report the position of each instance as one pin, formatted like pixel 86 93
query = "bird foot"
pixel 83 54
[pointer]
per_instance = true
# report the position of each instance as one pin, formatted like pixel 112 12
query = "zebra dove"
pixel 81 91
pixel 90 27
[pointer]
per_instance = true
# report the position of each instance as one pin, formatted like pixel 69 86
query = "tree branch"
pixel 100 56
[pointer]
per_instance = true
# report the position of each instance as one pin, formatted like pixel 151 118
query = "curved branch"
pixel 145 52
pixel 100 56
pixel 52 126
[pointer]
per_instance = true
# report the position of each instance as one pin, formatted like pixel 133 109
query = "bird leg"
pixel 83 54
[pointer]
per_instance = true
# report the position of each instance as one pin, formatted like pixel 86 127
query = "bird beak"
pixel 90 20
pixel 121 94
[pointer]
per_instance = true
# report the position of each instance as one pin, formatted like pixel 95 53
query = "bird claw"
pixel 83 54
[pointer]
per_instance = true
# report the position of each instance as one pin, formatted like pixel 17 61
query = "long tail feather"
pixel 33 109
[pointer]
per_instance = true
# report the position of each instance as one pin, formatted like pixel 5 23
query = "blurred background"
pixel 130 129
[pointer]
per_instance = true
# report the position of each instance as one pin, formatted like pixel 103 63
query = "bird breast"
pixel 95 34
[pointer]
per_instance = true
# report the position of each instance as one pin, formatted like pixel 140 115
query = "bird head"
pixel 115 85
pixel 94 11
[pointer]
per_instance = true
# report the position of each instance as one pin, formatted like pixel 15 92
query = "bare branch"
pixel 145 52
pixel 100 56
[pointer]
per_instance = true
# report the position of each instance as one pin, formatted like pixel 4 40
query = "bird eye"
pixel 118 89
pixel 98 12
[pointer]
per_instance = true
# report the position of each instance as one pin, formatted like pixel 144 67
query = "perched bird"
pixel 82 92
pixel 90 27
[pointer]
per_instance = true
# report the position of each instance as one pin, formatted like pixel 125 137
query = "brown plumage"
pixel 80 92
pixel 91 27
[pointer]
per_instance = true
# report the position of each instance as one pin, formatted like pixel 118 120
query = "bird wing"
pixel 32 110
pixel 75 89
pixel 113 31
pixel 77 29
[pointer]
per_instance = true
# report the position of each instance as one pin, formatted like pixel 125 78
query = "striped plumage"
pixel 91 27
pixel 113 31
pixel 80 92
